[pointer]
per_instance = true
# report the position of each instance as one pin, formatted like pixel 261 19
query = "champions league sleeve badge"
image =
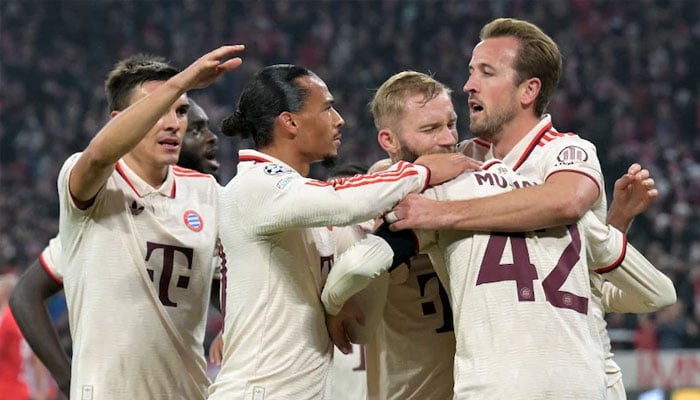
pixel 276 169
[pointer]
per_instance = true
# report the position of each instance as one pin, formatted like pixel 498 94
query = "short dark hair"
pixel 132 72
pixel 272 91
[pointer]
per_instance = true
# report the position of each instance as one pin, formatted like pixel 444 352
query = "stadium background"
pixel 630 86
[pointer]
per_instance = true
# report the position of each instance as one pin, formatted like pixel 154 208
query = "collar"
pixel 141 187
pixel 519 153
pixel 248 155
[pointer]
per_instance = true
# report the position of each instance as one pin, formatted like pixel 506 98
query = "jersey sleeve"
pixel 50 260
pixel 605 245
pixel 572 154
pixel 354 270
pixel 636 286
pixel 286 200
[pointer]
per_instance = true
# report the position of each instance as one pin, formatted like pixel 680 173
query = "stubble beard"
pixel 491 125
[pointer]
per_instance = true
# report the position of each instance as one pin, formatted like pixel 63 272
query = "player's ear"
pixel 530 89
pixel 114 113
pixel 388 140
pixel 288 120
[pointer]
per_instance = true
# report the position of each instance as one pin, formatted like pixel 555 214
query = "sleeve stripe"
pixel 577 172
pixel 619 259
pixel 45 266
pixel 404 170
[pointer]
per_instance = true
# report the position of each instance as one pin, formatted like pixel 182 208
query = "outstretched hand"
pixel 209 67
pixel 339 325
pixel 445 166
pixel 633 194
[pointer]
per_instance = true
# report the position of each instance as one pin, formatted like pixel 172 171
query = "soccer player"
pixel 411 353
pixel 514 71
pixel 517 338
pixel 137 239
pixel 44 278
pixel 275 340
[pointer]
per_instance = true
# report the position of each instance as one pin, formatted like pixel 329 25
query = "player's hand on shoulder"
pixel 209 67
pixel 445 166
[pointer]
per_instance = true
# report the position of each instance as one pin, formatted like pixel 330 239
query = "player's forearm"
pixel 354 270
pixel 337 203
pixel 123 132
pixel 29 309
pixel 520 210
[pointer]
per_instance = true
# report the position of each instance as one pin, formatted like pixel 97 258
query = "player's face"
pixel 427 128
pixel 318 123
pixel 199 145
pixel 161 145
pixel 492 88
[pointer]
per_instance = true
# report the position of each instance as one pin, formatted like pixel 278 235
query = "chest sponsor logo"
pixel 276 169
pixel 193 220
pixel 572 155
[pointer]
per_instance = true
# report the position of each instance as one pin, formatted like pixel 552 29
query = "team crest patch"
pixel 572 155
pixel 276 169
pixel 193 220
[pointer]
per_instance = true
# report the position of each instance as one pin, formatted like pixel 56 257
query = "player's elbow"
pixel 568 211
pixel 665 295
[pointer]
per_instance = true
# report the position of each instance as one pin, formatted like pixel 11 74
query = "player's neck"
pixel 154 175
pixel 512 133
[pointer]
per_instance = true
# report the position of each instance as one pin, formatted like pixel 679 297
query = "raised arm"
pixel 126 129
pixel 28 304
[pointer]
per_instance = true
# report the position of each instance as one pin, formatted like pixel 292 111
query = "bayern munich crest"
pixel 193 220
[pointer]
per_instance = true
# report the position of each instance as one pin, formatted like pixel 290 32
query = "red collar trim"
pixel 532 145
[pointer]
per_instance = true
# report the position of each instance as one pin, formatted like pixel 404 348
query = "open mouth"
pixel 170 143
pixel 475 107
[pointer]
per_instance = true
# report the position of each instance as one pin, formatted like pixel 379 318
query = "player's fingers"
pixel 398 225
pixel 643 174
pixel 623 182
pixel 648 183
pixel 634 168
pixel 230 64
pixel 339 337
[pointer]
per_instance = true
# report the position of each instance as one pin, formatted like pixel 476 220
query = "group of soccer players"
pixel 513 314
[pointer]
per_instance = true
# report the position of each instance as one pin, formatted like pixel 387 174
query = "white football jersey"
pixel 412 352
pixel 275 340
pixel 50 259
pixel 137 272
pixel 545 151
pixel 520 301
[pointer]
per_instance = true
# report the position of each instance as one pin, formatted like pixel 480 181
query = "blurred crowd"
pixel 629 87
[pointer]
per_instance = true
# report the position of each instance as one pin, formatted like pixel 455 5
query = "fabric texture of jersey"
pixel 276 345
pixel 521 316
pixel 544 151
pixel 412 353
pixel 137 271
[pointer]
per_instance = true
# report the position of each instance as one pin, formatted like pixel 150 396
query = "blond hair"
pixel 537 57
pixel 389 102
